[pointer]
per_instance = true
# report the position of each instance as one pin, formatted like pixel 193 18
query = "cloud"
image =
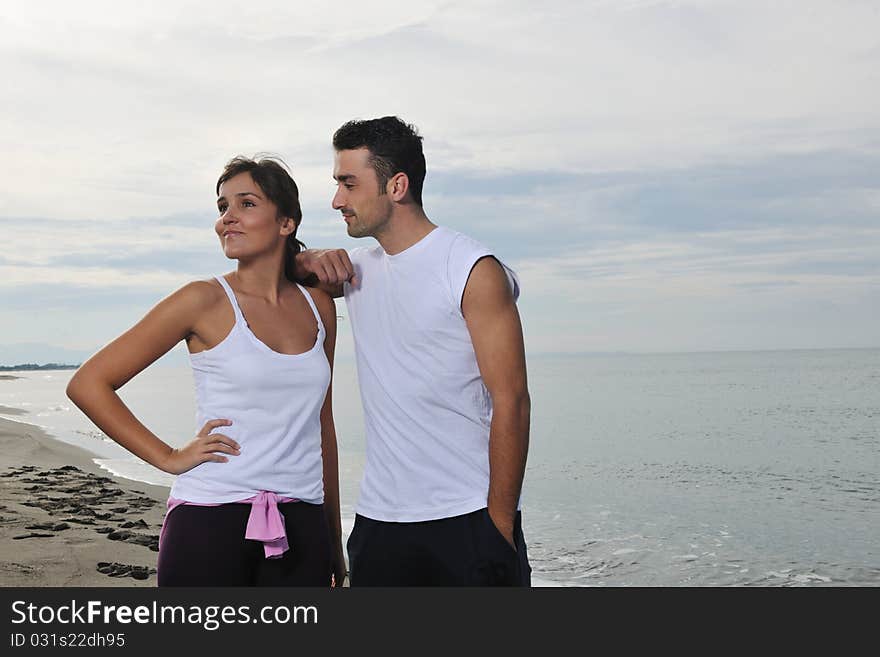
pixel 135 110
pixel 545 213
pixel 633 159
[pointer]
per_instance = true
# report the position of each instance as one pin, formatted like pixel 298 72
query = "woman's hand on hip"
pixel 205 447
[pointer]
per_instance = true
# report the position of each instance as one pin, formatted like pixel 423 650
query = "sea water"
pixel 706 469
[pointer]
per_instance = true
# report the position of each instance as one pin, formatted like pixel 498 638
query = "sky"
pixel 663 176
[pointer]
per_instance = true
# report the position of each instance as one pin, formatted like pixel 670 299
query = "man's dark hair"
pixel 271 176
pixel 395 147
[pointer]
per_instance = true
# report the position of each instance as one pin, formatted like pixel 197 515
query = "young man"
pixel 442 373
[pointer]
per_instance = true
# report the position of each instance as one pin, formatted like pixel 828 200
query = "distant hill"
pixel 25 367
pixel 59 358
pixel 34 352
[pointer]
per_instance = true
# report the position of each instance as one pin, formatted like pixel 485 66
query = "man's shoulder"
pixel 361 253
pixel 464 254
pixel 460 242
pixel 462 251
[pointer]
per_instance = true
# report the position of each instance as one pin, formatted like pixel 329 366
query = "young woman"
pixel 256 499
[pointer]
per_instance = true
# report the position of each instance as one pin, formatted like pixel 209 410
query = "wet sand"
pixel 65 522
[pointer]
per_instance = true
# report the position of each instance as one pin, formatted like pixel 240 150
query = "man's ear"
pixel 398 186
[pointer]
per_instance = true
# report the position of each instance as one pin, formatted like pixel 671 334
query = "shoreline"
pixel 62 518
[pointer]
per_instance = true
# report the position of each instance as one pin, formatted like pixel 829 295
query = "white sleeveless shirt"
pixel 274 401
pixel 427 411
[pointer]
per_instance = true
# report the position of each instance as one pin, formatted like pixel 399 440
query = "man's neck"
pixel 405 228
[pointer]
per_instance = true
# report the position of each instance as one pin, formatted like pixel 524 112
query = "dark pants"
pixel 205 546
pixel 464 550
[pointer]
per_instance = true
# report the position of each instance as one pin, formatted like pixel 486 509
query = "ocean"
pixel 701 469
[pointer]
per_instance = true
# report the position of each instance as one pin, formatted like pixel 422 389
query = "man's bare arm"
pixel 494 325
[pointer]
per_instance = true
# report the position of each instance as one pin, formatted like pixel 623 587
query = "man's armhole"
pixel 512 279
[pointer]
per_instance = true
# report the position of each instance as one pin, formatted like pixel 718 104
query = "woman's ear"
pixel 288 226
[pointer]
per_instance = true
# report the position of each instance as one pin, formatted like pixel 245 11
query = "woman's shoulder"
pixel 323 302
pixel 199 294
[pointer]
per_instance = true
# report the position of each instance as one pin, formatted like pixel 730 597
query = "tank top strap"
pixel 239 316
pixel 313 307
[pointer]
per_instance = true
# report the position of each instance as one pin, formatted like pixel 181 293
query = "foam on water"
pixel 136 470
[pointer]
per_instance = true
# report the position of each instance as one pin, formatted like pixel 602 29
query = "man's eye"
pixel 349 186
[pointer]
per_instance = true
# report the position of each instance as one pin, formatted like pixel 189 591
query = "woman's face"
pixel 248 224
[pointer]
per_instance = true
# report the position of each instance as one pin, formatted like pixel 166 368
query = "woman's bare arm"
pixel 93 387
pixel 329 450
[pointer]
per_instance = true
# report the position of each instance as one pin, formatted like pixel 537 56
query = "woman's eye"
pixel 221 208
pixel 248 204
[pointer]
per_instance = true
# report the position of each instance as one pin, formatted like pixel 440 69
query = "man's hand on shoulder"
pixel 330 268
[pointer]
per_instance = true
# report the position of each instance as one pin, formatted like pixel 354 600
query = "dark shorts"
pixel 205 546
pixel 465 550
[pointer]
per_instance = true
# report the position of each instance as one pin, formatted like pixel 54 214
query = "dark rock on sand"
pixel 109 492
pixel 55 527
pixel 150 541
pixel 32 535
pixel 119 535
pixel 136 523
pixel 114 569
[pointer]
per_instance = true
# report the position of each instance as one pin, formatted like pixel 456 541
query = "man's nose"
pixel 337 200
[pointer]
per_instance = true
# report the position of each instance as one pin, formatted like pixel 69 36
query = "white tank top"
pixel 274 401
pixel 427 412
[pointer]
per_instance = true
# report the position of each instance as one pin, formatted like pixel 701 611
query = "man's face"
pixel 364 209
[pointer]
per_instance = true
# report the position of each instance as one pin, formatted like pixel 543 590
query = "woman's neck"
pixel 261 278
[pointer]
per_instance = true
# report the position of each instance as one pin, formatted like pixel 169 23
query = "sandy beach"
pixel 65 522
